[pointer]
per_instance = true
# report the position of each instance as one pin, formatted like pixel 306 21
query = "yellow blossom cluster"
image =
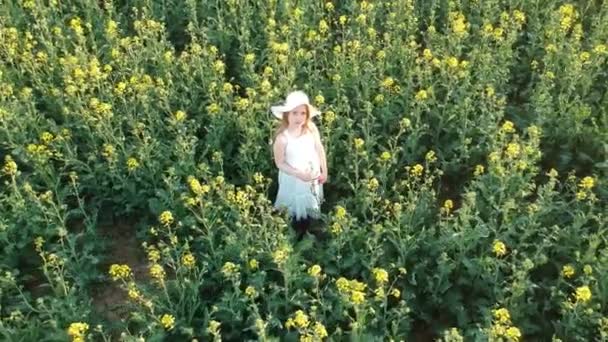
pixel 502 326
pixel 352 290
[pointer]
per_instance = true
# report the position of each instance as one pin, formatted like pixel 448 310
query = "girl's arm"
pixel 279 160
pixel 320 149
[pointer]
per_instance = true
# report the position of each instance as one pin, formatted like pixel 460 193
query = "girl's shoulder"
pixel 312 128
pixel 281 137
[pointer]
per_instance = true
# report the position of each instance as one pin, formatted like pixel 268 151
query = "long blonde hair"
pixel 285 123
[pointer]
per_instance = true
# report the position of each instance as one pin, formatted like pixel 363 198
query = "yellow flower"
pixel 319 331
pixel 38 243
pixel 168 321
pixel 581 195
pixel 213 108
pixel 359 143
pixel 242 103
pixel 219 66
pixel 268 71
pixel 427 54
pixel 600 49
pixel 214 328
pixel 568 271
pixel 342 20
pixel 499 248
pixel 448 205
pixel 336 228
pixel 180 115
pixel 534 131
pixel 249 58
pixel 568 16
pixel 319 99
pixel 488 29
pixel 108 151
pixel 357 297
pixel 78 330
pixel 132 164
pixel 452 62
pixel 166 218
pixel 119 271
pixel 157 272
pixel 508 127
pixel 188 260
pixel 498 33
pixel 502 316
pixel 314 270
pixel 228 88
pixel 380 275
pixel 280 255
pixel 587 183
pixel 253 264
pixel 76 25
pixel 513 150
pixel 458 23
pixel 46 137
pixel 195 185
pixel 300 319
pixel 153 255
pixel 353 289
pixel 340 212
pixel 430 157
pixel 395 293
pixel 520 17
pixel 289 323
pixel 380 294
pixel 388 82
pixel 379 98
pixel 306 337
pixel 583 294
pixel 251 292
pixel 111 28
pixel 513 334
pixel 323 26
pixel 494 157
pixel 421 95
pixel 230 269
pixel 342 284
pixel 373 184
pixel 385 156
pixel 10 167
pixel 133 292
pixel 356 285
pixel 361 18
pixel 587 269
pixel 490 91
pixel 417 170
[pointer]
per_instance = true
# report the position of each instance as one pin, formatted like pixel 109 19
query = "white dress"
pixel 301 199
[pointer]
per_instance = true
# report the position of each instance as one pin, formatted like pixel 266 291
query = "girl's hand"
pixel 306 176
pixel 323 177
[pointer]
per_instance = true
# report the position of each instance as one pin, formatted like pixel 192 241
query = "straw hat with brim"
pixel 293 100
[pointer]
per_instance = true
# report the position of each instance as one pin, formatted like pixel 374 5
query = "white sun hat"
pixel 293 100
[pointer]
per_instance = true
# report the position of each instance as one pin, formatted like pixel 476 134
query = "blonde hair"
pixel 285 123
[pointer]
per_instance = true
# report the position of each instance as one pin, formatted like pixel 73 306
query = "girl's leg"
pixel 301 226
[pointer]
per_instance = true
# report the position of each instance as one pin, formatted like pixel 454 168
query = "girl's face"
pixel 298 115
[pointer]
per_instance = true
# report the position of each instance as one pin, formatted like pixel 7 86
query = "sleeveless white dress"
pixel 301 199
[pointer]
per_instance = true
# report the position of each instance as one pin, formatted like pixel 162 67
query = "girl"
pixel 300 157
